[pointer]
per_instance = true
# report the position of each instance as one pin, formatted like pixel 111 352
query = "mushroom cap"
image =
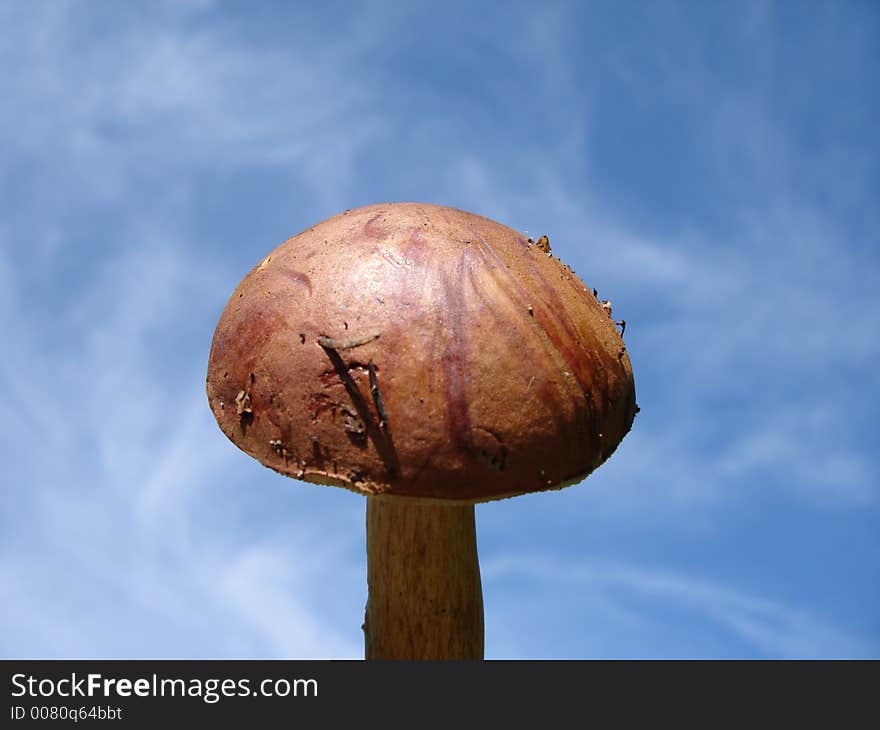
pixel 422 351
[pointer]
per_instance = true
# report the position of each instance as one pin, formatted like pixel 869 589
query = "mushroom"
pixel 430 359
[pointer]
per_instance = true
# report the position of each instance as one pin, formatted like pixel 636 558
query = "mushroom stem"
pixel 423 575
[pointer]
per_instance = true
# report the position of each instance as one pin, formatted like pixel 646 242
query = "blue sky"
pixel 710 167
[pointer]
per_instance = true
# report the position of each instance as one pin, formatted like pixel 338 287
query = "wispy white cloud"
pixel 793 447
pixel 160 99
pixel 633 610
pixel 118 546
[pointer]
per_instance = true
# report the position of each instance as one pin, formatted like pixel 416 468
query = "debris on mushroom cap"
pixel 416 350
pixel 544 244
pixel 242 403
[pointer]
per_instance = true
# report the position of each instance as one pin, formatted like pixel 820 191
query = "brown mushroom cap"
pixel 459 360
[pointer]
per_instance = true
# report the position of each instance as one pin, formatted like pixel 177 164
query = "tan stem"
pixel 425 598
